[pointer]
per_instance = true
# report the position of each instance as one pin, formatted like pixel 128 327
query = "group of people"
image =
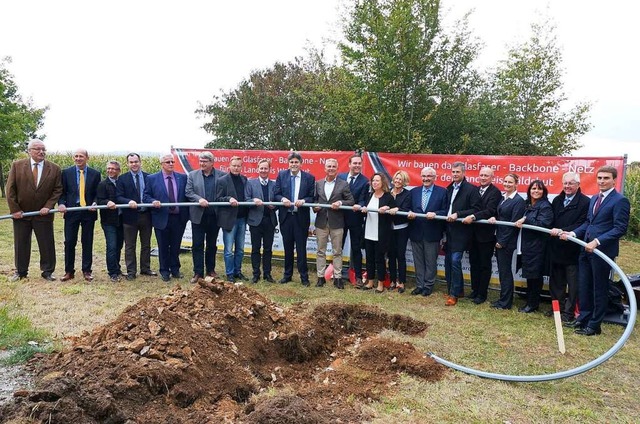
pixel 364 208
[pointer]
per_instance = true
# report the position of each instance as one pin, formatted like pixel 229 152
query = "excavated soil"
pixel 224 353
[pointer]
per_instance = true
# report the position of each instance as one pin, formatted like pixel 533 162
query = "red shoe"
pixel 451 301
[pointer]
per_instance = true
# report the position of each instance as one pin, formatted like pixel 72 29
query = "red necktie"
pixel 598 202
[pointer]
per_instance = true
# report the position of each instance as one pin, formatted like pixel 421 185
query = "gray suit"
pixel 204 226
pixel 262 224
pixel 330 223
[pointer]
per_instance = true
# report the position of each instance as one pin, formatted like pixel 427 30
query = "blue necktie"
pixel 425 199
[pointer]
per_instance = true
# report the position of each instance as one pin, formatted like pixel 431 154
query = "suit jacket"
pixel 155 189
pixel 509 210
pixel 359 191
pixel 403 203
pixel 307 192
pixel 567 219
pixel 195 191
pixel 334 218
pixel 127 191
pixel 489 201
pixel 106 192
pixel 227 215
pixel 253 190
pixel 385 221
pixel 22 193
pixel 608 225
pixel 421 229
pixel 70 189
pixel 466 202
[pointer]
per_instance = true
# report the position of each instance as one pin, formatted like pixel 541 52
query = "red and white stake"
pixel 558 321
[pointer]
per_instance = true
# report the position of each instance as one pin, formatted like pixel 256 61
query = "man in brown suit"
pixel 33 185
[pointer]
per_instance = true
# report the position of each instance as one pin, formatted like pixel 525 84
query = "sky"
pixel 128 75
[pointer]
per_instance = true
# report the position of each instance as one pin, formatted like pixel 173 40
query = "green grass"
pixel 17 330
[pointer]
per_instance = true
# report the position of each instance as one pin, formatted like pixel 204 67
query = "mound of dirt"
pixel 210 354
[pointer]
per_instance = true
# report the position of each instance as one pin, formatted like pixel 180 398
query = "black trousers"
pixel 504 257
pixel 562 277
pixel 398 255
pixel 262 235
pixel 294 237
pixel 142 227
pixel 22 230
pixel 480 261
pixel 169 240
pixel 73 221
pixel 376 252
pixel 204 233
pixel 356 236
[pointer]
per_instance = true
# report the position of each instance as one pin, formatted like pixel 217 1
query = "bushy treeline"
pixel 632 192
pixel 150 163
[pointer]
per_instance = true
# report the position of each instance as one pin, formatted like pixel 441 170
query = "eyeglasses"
pixel 169 161
pixel 38 149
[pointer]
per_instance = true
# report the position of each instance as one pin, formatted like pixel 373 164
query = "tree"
pixel 19 120
pixel 523 110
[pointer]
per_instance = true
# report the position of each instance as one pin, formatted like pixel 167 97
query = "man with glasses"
pixel 169 222
pixel 202 185
pixel 135 220
pixel 33 185
pixel 111 220
pixel 426 234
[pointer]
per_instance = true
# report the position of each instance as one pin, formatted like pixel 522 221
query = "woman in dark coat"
pixel 534 243
pixel 400 235
pixel 377 230
pixel 510 209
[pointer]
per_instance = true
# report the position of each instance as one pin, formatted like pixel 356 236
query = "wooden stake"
pixel 558 321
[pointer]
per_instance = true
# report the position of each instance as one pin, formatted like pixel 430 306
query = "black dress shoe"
pixel 165 277
pixel 339 283
pixel 305 283
pixel 255 279
pixel 231 279
pixel 528 309
pixel 284 280
pixel 48 276
pixel 321 282
pixel 588 331
pixel 479 300
pixel 269 279
pixel 573 324
pixel 417 291
pixel 473 295
pixel 131 277
pixel 240 276
pixel 149 273
pixel 177 275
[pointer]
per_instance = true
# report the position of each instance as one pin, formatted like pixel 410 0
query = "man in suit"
pixel 607 221
pixel 233 220
pixel 294 188
pixel 262 220
pixel 483 240
pixel 463 199
pixel 33 185
pixel 167 186
pixel 426 234
pixel 569 210
pixel 79 188
pixel 111 220
pixel 354 220
pixel 330 222
pixel 135 220
pixel 201 187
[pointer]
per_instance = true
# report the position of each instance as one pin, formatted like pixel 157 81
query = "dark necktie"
pixel 139 199
pixel 598 202
pixel 172 194
pixel 35 174
pixel 352 180
pixel 293 191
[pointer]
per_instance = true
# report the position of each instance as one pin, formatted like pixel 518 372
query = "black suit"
pixel 563 254
pixel 111 221
pixel 377 249
pixel 294 224
pixel 354 221
pixel 134 222
pixel 482 243
pixel 74 220
pixel 509 210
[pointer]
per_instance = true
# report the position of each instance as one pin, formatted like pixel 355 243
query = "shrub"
pixel 632 192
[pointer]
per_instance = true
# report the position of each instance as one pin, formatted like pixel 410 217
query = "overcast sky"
pixel 123 75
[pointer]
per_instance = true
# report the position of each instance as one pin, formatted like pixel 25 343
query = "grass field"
pixel 474 336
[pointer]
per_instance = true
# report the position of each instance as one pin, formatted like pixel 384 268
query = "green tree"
pixel 19 120
pixel 523 111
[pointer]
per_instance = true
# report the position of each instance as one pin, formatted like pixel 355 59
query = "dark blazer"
pixel 23 195
pixel 534 243
pixel 608 225
pixel 509 210
pixel 106 192
pixel 467 202
pixel 341 192
pixel 226 190
pixel 155 189
pixel 359 192
pixel 489 201
pixel 385 221
pixel 403 203
pixel 195 191
pixel 567 219
pixel 422 229
pixel 126 191
pixel 70 189
pixel 307 192
pixel 253 190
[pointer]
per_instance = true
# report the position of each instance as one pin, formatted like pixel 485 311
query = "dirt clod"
pixel 209 354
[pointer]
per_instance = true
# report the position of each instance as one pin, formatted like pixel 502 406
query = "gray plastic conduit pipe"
pixel 633 307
